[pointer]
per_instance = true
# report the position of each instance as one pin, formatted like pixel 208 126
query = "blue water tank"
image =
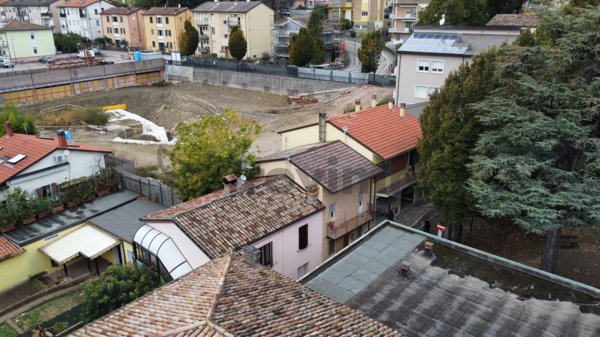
pixel 137 56
pixel 68 135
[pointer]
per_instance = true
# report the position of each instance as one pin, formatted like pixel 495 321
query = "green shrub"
pixel 93 116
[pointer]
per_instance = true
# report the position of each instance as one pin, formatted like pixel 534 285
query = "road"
pixel 385 60
pixel 109 55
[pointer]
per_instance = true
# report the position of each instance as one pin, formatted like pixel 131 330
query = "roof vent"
pixel 230 183
pixel 405 267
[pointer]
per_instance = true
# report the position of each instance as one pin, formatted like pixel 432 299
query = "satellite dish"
pixel 66 152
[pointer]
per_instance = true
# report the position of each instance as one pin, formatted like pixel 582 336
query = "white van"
pixel 6 63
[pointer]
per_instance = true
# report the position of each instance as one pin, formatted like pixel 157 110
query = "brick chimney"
pixel 229 183
pixel 402 110
pixel 373 101
pixel 322 126
pixel 312 193
pixel 8 128
pixel 357 106
pixel 62 139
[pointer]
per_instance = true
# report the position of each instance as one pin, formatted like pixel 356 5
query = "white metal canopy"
pixel 87 241
pixel 164 248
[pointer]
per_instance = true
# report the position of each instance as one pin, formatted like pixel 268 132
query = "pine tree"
pixel 301 48
pixel 237 43
pixel 370 51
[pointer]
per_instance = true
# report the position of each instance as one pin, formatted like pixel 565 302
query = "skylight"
pixel 16 158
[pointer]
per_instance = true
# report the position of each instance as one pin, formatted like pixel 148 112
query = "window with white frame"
pixel 430 66
pixel 423 91
pixel 364 13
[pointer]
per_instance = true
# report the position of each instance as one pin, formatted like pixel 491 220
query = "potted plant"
pixel 43 206
pixel 7 223
pixel 28 212
pixel 88 189
pixel 102 183
pixel 71 196
pixel 20 206
pixel 58 203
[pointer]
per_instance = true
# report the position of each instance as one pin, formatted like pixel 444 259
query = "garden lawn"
pixel 7 331
pixel 48 310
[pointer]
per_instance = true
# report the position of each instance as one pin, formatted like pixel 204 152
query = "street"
pixel 108 55
pixel 385 60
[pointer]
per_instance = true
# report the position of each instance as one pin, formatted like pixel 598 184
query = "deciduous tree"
pixel 21 123
pixel 466 12
pixel 370 51
pixel 209 149
pixel 301 48
pixel 237 43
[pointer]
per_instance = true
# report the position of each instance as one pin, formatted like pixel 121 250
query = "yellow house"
pixel 367 15
pixel 162 27
pixel 339 177
pixel 73 243
pixel 386 135
pixel 215 20
pixel 21 40
pixel 124 24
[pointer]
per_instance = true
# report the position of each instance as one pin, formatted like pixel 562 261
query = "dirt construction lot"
pixel 169 105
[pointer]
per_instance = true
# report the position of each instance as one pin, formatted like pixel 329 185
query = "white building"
pixel 270 217
pixel 37 164
pixel 431 53
pixel 80 17
pixel 38 12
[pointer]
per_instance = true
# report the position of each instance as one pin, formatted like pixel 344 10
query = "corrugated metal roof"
pixel 227 6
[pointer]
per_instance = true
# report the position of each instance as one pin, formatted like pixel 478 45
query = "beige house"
pixel 431 53
pixel 124 24
pixel 367 15
pixel 162 26
pixel 215 20
pixel 405 14
pixel 339 177
pixel 38 12
pixel 22 41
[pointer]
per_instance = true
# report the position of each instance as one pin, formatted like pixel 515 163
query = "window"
pixel 360 202
pixel 386 167
pixel 212 30
pixel 32 36
pixel 266 255
pixel 158 19
pixel 303 237
pixel 224 22
pixel 332 212
pixel 109 30
pixel 96 11
pixel 363 13
pixel 167 32
pixel 115 19
pixel 302 270
pixel 107 19
pixel 331 246
pixel 437 67
pixel 97 22
pixel 151 31
pixel 153 44
pixel 160 32
pixel 430 66
pixel 167 21
pixel 35 50
pixel 169 45
pixel 225 36
pixel 422 91
pixel 423 65
pixel 122 30
pixel 150 19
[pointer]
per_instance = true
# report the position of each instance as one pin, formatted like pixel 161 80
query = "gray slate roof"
pixel 247 215
pixel 455 293
pixel 27 3
pixel 124 221
pixel 333 165
pixel 227 7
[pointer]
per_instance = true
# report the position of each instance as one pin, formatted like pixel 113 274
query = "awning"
pixel 162 246
pixel 87 241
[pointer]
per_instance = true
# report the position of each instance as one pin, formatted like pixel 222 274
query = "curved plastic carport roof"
pixel 164 248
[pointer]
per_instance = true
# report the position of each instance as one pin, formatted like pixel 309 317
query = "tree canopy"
pixel 68 43
pixel 21 123
pixel 315 28
pixel 370 51
pixel 188 39
pixel 450 130
pixel 120 285
pixel 237 43
pixel 210 148
pixel 301 48
pixel 466 12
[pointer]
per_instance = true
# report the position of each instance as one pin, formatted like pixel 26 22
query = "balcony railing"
pixel 337 229
pixel 409 179
pixel 405 2
pixel 403 16
pixel 399 30
pixel 203 49
pixel 203 37
pixel 233 23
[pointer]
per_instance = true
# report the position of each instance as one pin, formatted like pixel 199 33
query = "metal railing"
pixel 337 229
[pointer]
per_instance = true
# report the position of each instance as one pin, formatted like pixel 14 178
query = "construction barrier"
pixel 114 107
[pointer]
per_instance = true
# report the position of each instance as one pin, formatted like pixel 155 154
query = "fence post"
pixel 161 192
pixel 149 190
pixel 140 182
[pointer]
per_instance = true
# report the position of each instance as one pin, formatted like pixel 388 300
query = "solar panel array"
pixel 442 43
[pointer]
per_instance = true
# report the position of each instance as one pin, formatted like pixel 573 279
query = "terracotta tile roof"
pixel 34 148
pixel 299 126
pixel 333 165
pixel 8 249
pixel 14 25
pixel 381 130
pixel 120 11
pixel 176 305
pixel 164 10
pixel 75 3
pixel 514 20
pixel 231 297
pixel 233 220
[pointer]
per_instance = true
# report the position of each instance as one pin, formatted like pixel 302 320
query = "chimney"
pixel 373 101
pixel 390 105
pixel 312 193
pixel 8 128
pixel 428 248
pixel 405 267
pixel 229 183
pixel 402 110
pixel 62 139
pixel 322 126
pixel 357 105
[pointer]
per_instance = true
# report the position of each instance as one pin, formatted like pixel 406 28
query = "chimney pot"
pixel 62 139
pixel 373 101
pixel 402 110
pixel 229 183
pixel 312 193
pixel 390 105
pixel 357 105
pixel 8 128
pixel 428 248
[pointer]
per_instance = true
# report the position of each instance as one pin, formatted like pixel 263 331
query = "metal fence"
pixel 150 188
pixel 291 71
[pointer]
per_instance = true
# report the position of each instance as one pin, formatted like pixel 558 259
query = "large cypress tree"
pixel 301 48
pixel 370 51
pixel 315 28
pixel 237 43
pixel 450 131
pixel 188 39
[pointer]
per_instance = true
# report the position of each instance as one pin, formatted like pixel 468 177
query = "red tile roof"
pixel 8 249
pixel 34 148
pixel 76 3
pixel 381 130
pixel 165 11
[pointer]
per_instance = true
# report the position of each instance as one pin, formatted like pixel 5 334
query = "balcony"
pixel 410 178
pixel 62 14
pixel 405 2
pixel 46 15
pixel 203 37
pixel 203 49
pixel 337 229
pixel 399 30
pixel 233 23
pixel 340 4
pixel 404 16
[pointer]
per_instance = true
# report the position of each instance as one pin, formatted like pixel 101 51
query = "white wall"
pixel 286 256
pixel 81 164
pixel 188 248
pixel 89 26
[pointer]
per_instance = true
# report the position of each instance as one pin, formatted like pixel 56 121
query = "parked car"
pixel 97 51
pixel 47 59
pixel 7 63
